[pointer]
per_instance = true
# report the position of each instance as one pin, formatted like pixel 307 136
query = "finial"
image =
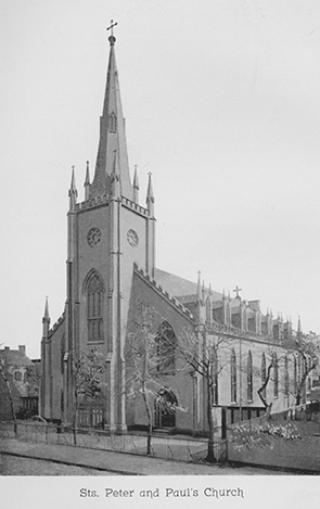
pixel 111 39
pixel 237 290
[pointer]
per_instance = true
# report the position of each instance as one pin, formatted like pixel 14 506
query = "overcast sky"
pixel 222 104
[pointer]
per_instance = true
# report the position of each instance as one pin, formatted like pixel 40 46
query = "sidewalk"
pixel 116 462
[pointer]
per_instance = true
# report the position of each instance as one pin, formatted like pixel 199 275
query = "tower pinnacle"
pixel 73 193
pixel 87 183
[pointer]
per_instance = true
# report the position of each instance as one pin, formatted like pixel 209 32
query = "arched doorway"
pixel 165 405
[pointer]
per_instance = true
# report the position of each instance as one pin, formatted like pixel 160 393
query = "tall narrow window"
pixel 166 349
pixel 95 306
pixel 275 375
pixel 286 377
pixel 112 123
pixel 263 374
pixel 214 377
pixel 249 377
pixel 233 373
pixel 295 375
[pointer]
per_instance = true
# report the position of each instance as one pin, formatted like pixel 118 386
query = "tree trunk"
pixel 75 420
pixel 267 405
pixel 149 418
pixel 13 413
pixel 210 451
pixel 301 385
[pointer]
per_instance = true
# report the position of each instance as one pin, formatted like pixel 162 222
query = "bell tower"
pixel 108 233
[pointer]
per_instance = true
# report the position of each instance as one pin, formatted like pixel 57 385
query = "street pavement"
pixel 111 462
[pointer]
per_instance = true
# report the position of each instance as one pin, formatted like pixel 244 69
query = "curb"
pixel 64 462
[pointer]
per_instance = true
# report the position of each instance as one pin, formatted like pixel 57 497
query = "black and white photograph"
pixel 160 268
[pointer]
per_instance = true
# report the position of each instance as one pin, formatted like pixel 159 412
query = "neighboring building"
pixel 20 376
pixel 111 268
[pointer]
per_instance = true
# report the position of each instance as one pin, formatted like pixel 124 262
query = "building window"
pixel 275 375
pixel 17 376
pixel 214 377
pixel 263 374
pixel 112 123
pixel 286 377
pixel 233 373
pixel 95 307
pixel 165 341
pixel 249 377
pixel 295 375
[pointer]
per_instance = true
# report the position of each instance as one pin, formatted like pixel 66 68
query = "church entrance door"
pixel 165 409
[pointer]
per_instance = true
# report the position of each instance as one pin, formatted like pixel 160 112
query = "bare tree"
pixel 269 364
pixel 308 352
pixel 204 356
pixel 6 376
pixel 146 360
pixel 88 382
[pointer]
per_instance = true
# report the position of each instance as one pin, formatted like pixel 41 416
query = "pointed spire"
pixel 299 328
pixel 112 134
pixel 87 183
pixel 203 291
pixel 73 193
pixel 135 185
pixel 210 289
pixel 46 310
pixel 150 196
pixel 46 320
pixel 199 285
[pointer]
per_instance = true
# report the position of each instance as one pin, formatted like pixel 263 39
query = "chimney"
pixel 22 349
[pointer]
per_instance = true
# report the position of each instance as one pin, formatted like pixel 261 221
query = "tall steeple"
pixel 112 135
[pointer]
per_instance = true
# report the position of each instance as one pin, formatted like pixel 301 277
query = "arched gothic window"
pixel 233 373
pixel 263 374
pixel 275 375
pixel 165 341
pixel 249 377
pixel 112 123
pixel 95 308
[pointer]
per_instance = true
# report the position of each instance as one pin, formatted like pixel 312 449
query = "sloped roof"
pixel 178 286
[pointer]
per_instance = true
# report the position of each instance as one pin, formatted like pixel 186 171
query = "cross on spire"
pixel 237 290
pixel 112 25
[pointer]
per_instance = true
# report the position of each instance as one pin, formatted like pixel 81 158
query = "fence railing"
pixel 166 447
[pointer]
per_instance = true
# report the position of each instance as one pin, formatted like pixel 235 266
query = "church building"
pixel 111 267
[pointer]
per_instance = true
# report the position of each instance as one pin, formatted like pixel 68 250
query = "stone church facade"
pixel 111 267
